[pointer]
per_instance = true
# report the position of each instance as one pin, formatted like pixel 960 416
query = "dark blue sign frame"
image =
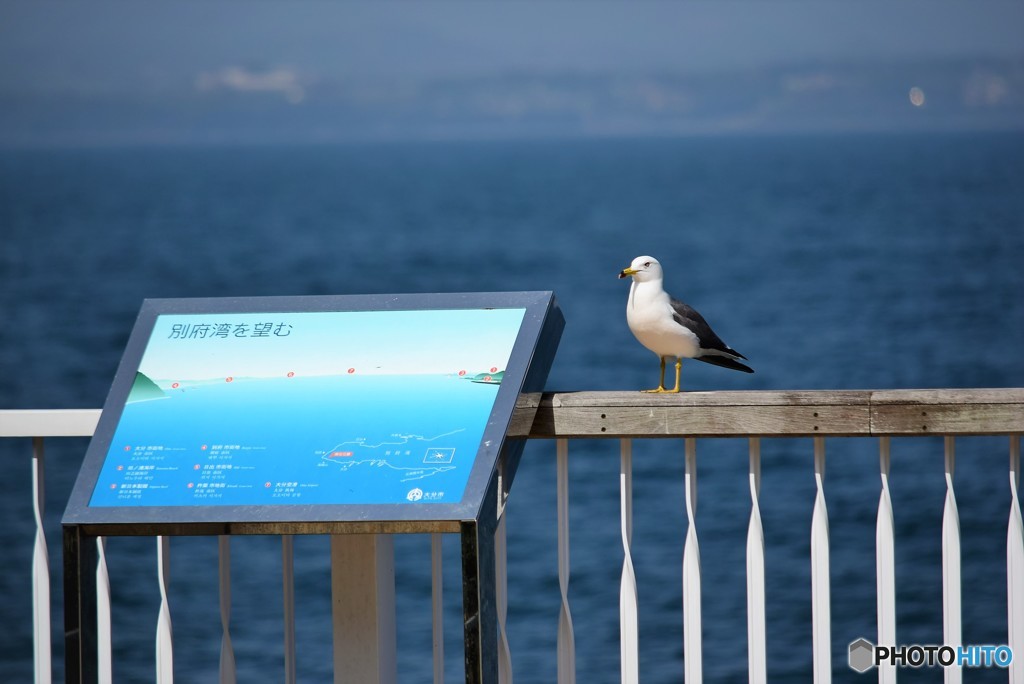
pixel 528 364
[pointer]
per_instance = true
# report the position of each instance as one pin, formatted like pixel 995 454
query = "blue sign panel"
pixel 359 407
pixel 366 405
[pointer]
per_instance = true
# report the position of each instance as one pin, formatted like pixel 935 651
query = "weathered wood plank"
pixel 730 398
pixel 524 414
pixel 947 411
pixel 770 413
pixel 947 419
pixel 698 421
pixel 998 395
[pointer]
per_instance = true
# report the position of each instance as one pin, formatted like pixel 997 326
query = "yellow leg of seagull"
pixel 661 380
pixel 679 366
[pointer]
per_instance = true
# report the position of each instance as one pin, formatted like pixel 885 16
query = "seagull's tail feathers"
pixel 725 362
pixel 735 354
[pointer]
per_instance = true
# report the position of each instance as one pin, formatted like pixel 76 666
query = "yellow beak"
pixel 626 272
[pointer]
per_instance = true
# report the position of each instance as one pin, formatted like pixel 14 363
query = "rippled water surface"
pixel 858 262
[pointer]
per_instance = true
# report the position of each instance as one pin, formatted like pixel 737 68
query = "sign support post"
pixel 81 660
pixel 479 604
pixel 363 608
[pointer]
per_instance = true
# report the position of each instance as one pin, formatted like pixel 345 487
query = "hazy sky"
pixel 134 64
pixel 62 42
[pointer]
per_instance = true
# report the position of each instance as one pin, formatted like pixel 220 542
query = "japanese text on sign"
pixel 203 331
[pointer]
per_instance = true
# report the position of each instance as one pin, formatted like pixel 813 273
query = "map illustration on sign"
pixel 312 407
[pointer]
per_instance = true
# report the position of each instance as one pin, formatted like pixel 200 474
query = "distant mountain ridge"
pixel 984 93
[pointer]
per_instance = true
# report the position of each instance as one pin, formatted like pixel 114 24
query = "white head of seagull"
pixel 670 328
pixel 643 269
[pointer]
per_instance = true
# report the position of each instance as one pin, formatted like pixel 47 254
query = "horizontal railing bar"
pixel 758 413
pixel 48 422
pixel 769 413
pixel 1000 395
pixel 584 414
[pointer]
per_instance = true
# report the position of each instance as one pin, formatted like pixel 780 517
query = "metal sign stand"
pixel 81 656
pixel 361 547
pixel 361 660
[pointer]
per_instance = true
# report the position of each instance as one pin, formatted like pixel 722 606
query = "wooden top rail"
pixel 769 413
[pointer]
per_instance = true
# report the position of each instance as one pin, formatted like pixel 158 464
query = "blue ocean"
pixel 831 262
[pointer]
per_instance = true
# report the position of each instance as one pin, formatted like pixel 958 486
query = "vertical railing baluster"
pixel 566 637
pixel 951 626
pixel 885 566
pixel 629 639
pixel 164 644
pixel 437 604
pixel 288 601
pixel 1015 568
pixel 692 648
pixel 821 611
pixel 40 571
pixel 104 642
pixel 227 652
pixel 501 595
pixel 757 661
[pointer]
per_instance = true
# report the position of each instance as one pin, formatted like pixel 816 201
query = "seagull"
pixel 670 328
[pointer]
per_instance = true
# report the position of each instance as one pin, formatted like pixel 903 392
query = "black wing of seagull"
pixel 688 317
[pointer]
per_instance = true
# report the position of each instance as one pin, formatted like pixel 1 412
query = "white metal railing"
pixel 951 631
pixel 38 425
pixel 40 570
pixel 885 564
pixel 566 644
pixel 951 413
pixel 821 613
pixel 821 600
pixel 1015 564
pixel 629 626
pixel 757 651
pixel 753 415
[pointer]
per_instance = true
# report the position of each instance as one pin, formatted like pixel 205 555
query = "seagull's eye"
pixel 647 264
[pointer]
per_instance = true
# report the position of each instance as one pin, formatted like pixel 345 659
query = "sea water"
pixel 831 262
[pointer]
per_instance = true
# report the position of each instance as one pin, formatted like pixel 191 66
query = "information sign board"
pixel 339 408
